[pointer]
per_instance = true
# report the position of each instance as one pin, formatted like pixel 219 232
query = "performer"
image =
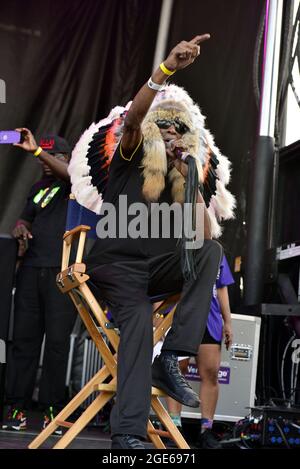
pixel 142 145
pixel 208 360
pixel 40 308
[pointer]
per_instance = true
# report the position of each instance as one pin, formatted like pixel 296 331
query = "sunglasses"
pixel 180 127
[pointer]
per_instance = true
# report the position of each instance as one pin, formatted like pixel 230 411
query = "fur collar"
pixel 154 163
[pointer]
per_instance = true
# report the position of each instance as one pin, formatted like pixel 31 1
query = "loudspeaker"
pixel 8 256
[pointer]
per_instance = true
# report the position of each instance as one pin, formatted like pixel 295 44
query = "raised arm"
pixel 180 57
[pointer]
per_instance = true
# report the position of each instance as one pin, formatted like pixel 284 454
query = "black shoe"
pixel 166 375
pixel 126 442
pixel 207 440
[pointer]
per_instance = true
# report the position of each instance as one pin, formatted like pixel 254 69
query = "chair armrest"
pixel 80 231
pixel 75 233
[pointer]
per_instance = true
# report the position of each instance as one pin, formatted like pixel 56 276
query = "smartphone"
pixel 10 136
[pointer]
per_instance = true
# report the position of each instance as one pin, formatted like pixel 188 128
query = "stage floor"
pixel 91 437
pixel 21 440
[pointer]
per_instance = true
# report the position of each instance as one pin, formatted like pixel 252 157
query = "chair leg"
pixel 84 419
pixel 166 420
pixel 154 437
pixel 93 331
pixel 99 315
pixel 84 300
pixel 73 405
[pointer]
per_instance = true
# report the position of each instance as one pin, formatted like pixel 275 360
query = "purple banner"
pixel 193 375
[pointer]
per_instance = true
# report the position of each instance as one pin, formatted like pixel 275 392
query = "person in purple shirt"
pixel 209 358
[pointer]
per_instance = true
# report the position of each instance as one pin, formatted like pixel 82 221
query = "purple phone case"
pixel 10 136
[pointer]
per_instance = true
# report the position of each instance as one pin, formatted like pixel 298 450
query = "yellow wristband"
pixel 38 151
pixel 165 70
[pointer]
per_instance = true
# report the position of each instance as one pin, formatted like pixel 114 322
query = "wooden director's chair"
pixel 73 281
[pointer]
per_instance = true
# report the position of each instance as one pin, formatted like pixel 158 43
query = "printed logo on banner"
pixel 2 92
pixel 224 375
pixel 193 375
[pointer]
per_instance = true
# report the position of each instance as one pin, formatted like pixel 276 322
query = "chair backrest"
pixel 79 215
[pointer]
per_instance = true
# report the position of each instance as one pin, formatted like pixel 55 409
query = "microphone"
pixel 179 152
pixel 188 260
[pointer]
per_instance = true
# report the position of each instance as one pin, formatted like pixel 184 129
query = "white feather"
pixel 86 194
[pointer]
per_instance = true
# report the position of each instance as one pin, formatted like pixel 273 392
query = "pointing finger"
pixel 198 39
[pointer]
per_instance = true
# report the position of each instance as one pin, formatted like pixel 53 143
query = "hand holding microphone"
pixel 176 151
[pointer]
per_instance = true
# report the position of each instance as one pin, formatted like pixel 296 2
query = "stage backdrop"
pixel 221 81
pixel 66 64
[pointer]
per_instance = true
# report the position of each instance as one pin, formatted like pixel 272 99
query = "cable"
pixel 256 57
pixel 296 426
pixel 287 62
pixel 245 444
pixel 189 225
pixel 292 383
pixel 239 429
pixel 282 365
pixel 295 381
pixel 278 359
pixel 296 54
pixel 294 388
pixel 284 72
pixel 282 434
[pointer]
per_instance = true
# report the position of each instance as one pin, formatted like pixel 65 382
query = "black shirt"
pixel 126 179
pixel 46 210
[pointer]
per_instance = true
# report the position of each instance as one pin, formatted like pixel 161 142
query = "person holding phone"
pixel 208 359
pixel 40 308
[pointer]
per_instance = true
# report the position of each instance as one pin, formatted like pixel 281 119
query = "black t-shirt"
pixel 126 179
pixel 46 210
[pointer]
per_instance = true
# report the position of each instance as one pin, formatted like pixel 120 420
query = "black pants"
pixel 40 308
pixel 127 286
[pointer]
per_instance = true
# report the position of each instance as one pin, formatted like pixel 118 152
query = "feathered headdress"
pixel 93 153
